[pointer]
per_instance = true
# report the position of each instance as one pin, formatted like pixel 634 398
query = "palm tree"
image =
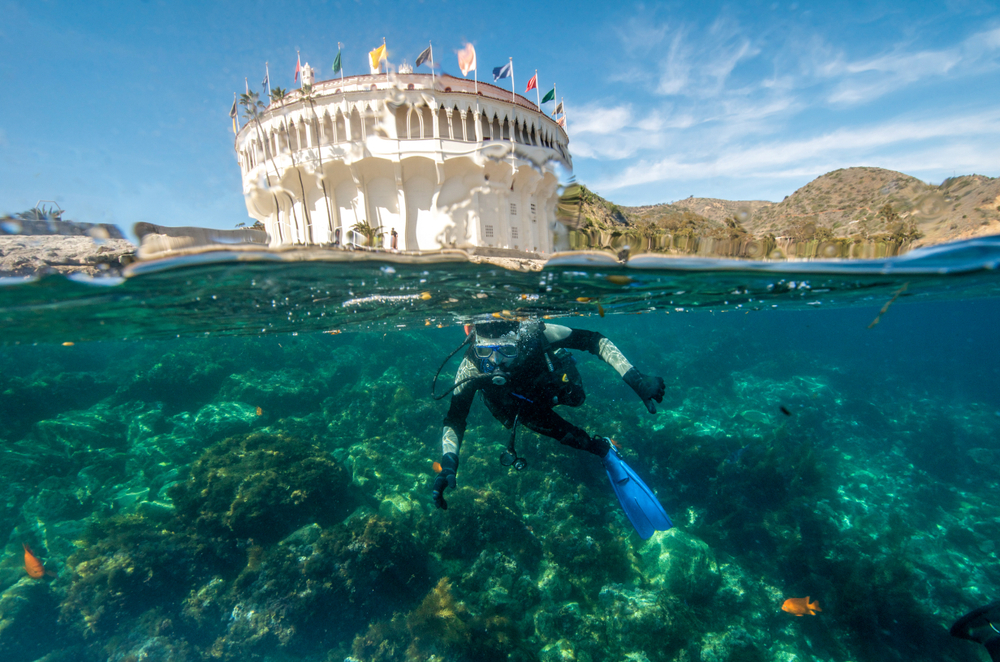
pixel 279 95
pixel 252 109
pixel 365 229
pixel 310 98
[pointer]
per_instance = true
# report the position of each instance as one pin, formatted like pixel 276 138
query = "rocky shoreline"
pixel 37 255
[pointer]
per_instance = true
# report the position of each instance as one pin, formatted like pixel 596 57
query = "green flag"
pixel 550 96
pixel 336 63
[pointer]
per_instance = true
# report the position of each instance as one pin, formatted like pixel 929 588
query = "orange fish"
pixel 801 606
pixel 32 565
pixel 260 411
pixel 437 467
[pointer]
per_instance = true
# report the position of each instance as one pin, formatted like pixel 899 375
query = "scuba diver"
pixel 524 370
pixel 981 625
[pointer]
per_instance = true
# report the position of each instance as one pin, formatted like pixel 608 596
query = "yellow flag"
pixel 376 57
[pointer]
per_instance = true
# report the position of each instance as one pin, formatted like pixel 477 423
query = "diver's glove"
pixel 445 479
pixel 646 387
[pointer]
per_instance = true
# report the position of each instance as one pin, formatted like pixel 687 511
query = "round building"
pixel 414 162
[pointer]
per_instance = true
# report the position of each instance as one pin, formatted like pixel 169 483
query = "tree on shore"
pixel 252 109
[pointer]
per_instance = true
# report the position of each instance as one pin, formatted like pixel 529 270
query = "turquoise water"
pixel 800 449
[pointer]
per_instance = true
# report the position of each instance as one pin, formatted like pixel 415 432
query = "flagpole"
pixel 386 61
pixel 565 120
pixel 237 118
pixel 339 49
pixel 555 95
pixel 431 46
pixel 537 96
pixel 298 66
pixel 513 88
pixel 247 83
pixel 267 74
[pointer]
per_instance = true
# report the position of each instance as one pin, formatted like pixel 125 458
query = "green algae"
pixel 188 527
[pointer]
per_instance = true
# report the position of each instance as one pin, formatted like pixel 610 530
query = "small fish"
pixel 68 344
pixel 784 410
pixel 437 467
pixel 619 280
pixel 260 412
pixel 584 299
pixel 32 565
pixel 425 296
pixel 800 606
pixel 600 310
pixel 333 332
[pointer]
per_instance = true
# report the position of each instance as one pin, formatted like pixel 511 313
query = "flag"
pixel 232 113
pixel 266 83
pixel 423 57
pixel 532 84
pixel 376 56
pixel 467 59
pixel 559 108
pixel 503 72
pixel 550 96
pixel 561 121
pixel 336 63
pixel 298 67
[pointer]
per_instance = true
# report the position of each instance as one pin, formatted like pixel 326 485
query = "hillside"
pixel 858 204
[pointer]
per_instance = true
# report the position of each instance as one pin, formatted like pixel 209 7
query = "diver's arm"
pixel 454 432
pixel 648 388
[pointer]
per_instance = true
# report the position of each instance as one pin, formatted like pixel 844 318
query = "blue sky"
pixel 119 110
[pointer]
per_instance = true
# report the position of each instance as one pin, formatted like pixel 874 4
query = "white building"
pixel 439 163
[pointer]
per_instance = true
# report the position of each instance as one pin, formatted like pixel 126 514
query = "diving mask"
pixel 491 354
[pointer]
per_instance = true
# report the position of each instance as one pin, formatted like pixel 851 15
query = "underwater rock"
pixel 497 584
pixel 477 519
pixel 224 419
pixel 733 644
pixel 681 565
pixel 559 651
pixel 284 392
pixel 264 487
pixel 28 620
pixel 636 620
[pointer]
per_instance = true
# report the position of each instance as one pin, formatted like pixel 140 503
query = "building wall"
pixel 401 159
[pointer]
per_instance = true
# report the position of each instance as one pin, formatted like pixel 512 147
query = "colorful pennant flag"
pixel 532 84
pixel 467 59
pixel 336 63
pixel 424 56
pixel 503 72
pixel 266 83
pixel 561 121
pixel 232 114
pixel 377 56
pixel 550 96
pixel 298 66
pixel 559 108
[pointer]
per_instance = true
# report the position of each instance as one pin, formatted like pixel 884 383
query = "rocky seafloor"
pixel 240 499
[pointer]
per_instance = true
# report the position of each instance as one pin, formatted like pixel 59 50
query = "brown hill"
pixel 861 204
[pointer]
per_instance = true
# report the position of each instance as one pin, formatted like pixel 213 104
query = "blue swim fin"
pixel 641 506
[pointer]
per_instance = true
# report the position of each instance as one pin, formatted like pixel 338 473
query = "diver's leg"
pixel 544 420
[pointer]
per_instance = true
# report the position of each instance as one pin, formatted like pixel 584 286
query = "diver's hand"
pixel 648 388
pixel 445 479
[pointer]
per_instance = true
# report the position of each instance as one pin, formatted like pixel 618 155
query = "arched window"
pixel 532 137
pixel 485 124
pixel 341 125
pixel 496 128
pixel 414 123
pixel 401 131
pixel 470 126
pixel 506 129
pixel 355 125
pixel 293 138
pixel 369 122
pixel 428 122
pixel 328 128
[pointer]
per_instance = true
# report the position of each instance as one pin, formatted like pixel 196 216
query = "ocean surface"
pixel 229 457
